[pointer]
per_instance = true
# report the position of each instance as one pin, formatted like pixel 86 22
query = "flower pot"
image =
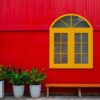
pixel 18 91
pixel 1 89
pixel 35 91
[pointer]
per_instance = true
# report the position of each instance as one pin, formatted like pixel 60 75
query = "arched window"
pixel 71 43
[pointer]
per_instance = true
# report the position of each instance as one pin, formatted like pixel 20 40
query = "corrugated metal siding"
pixel 39 14
pixel 31 48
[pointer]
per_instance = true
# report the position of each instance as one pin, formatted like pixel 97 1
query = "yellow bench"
pixel 79 86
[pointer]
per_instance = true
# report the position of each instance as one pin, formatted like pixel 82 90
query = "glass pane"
pixel 64 48
pixel 77 37
pixel 77 58
pixel 57 37
pixel 66 19
pixel 84 37
pixel 64 37
pixel 84 58
pixel 57 58
pixel 84 48
pixel 77 48
pixel 57 48
pixel 64 58
pixel 59 24
pixel 76 20
pixel 82 24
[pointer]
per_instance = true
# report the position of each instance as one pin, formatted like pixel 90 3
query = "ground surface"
pixel 55 98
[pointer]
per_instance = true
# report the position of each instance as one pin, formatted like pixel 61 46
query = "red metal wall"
pixel 39 14
pixel 24 36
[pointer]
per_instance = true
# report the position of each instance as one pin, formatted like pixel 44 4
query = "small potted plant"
pixel 2 78
pixel 17 78
pixel 35 81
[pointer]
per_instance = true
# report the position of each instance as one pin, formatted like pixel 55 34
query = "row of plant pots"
pixel 19 78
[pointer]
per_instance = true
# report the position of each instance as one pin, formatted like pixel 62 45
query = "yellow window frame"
pixel 71 35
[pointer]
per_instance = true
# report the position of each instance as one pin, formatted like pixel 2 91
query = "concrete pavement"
pixel 55 98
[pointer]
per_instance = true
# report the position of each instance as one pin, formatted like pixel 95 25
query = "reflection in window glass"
pixel 57 37
pixel 64 37
pixel 60 48
pixel 59 24
pixel 84 58
pixel 81 48
pixel 57 58
pixel 76 20
pixel 77 58
pixel 64 48
pixel 82 24
pixel 84 37
pixel 66 19
pixel 71 21
pixel 77 48
pixel 77 37
pixel 84 48
pixel 57 48
pixel 64 58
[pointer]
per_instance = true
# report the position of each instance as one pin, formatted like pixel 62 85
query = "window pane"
pixel 84 58
pixel 77 58
pixel 59 24
pixel 57 37
pixel 57 48
pixel 57 58
pixel 84 37
pixel 77 48
pixel 66 19
pixel 64 37
pixel 77 37
pixel 82 24
pixel 64 58
pixel 84 48
pixel 75 20
pixel 64 48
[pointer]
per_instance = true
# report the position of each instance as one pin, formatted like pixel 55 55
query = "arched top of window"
pixel 71 21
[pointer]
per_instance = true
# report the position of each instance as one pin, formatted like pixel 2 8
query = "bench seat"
pixel 79 86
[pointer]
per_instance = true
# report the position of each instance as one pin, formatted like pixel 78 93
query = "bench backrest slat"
pixel 73 85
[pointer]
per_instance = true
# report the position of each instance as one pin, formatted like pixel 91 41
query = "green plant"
pixel 17 77
pixel 3 72
pixel 35 77
pixel 8 71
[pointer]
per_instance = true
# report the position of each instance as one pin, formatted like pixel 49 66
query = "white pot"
pixel 18 91
pixel 35 91
pixel 1 89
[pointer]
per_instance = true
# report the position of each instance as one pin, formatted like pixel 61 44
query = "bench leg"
pixel 47 92
pixel 79 93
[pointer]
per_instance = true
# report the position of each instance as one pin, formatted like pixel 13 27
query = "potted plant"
pixel 35 81
pixel 2 78
pixel 17 78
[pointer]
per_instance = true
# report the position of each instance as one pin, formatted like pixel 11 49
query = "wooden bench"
pixel 79 86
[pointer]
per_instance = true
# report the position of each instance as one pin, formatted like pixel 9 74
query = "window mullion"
pixel 81 48
pixel 71 47
pixel 60 47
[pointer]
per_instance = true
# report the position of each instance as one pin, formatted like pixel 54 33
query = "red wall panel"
pixel 39 14
pixel 19 47
pixel 31 49
pixel 25 49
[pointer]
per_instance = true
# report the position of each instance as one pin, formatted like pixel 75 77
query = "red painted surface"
pixel 19 47
pixel 39 14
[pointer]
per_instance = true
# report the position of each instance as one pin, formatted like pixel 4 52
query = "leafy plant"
pixel 35 77
pixel 3 72
pixel 17 77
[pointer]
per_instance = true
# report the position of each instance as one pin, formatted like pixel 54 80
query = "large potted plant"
pixel 2 78
pixel 35 81
pixel 17 78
